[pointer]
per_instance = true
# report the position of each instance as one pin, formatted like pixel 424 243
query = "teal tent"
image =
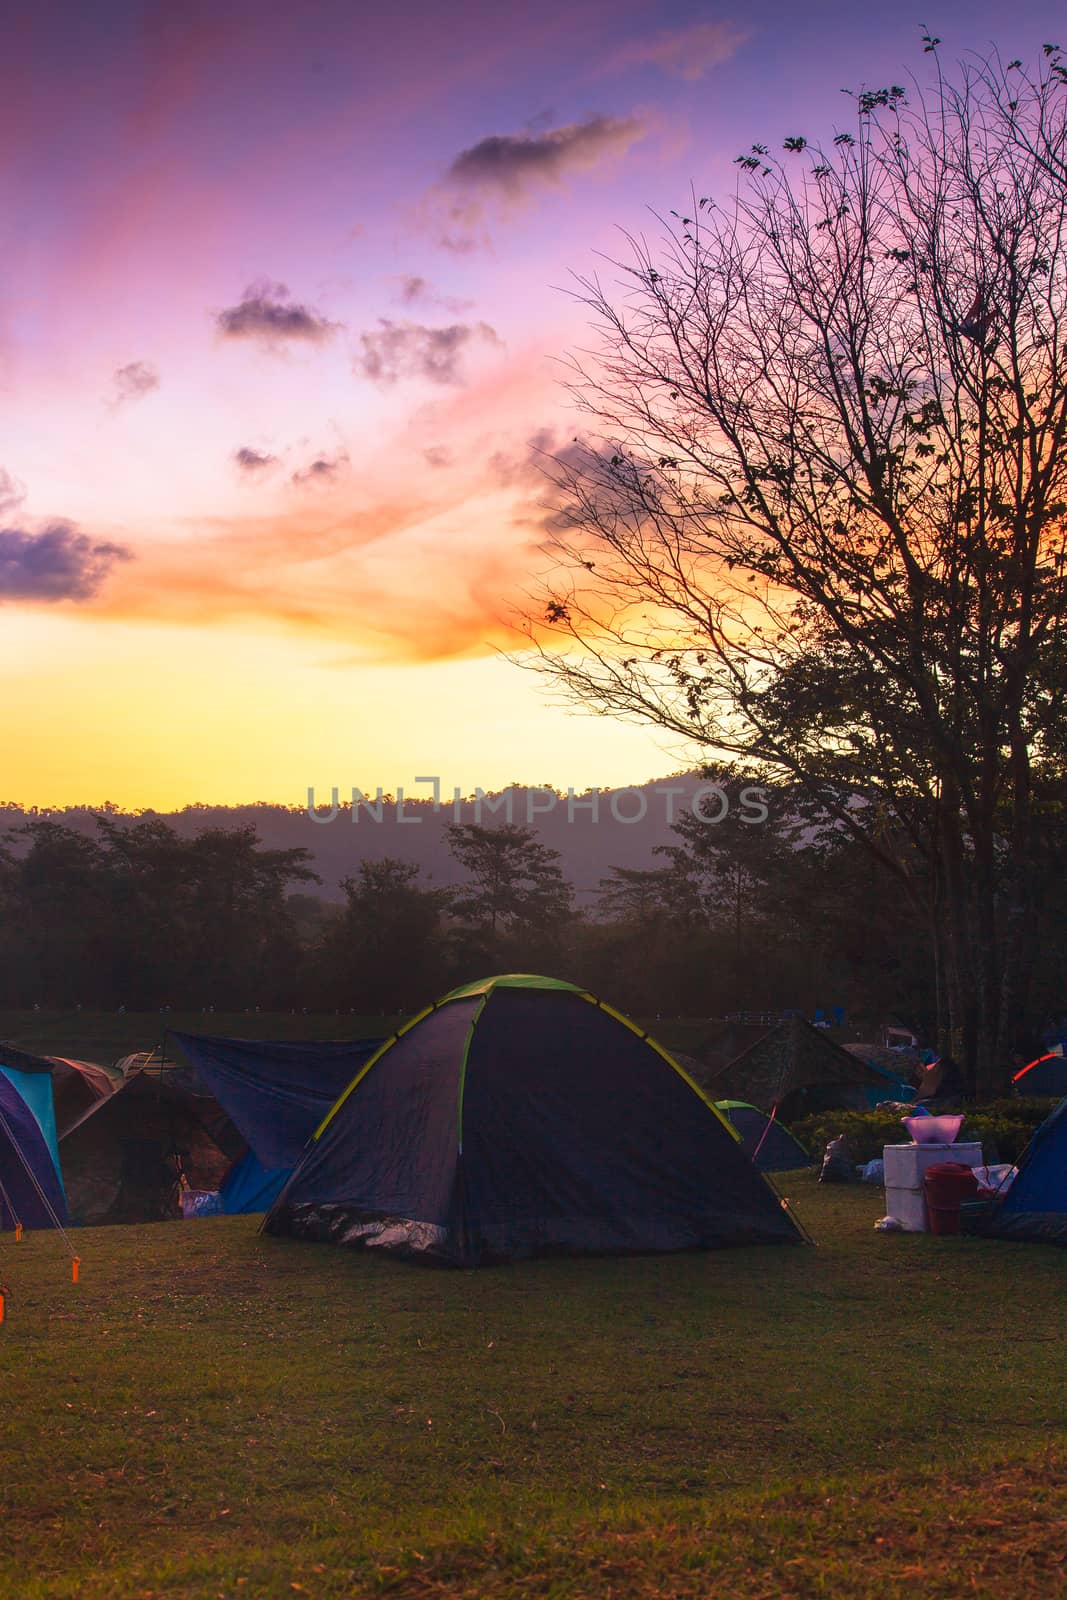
pixel 35 1088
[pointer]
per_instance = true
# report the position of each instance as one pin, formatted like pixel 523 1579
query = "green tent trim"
pixel 516 980
pixel 512 980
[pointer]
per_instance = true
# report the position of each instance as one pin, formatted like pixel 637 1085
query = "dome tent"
pixel 123 1158
pixel 794 1069
pixel 772 1147
pixel 1035 1206
pixel 30 1190
pixel 520 1116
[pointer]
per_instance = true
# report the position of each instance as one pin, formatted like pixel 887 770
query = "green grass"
pixel 209 1412
pixel 105 1036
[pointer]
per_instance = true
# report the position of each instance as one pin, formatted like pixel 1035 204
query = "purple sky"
pixel 279 307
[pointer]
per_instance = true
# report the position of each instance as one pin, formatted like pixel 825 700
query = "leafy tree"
pixel 516 896
pixel 146 912
pixel 650 943
pixel 640 897
pixel 818 519
pixel 53 925
pixel 733 866
pixel 247 943
pixel 385 951
pixel 140 916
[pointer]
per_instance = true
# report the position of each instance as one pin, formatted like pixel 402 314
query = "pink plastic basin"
pixel 933 1130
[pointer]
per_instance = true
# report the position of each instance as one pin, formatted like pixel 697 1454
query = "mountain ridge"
pixel 593 831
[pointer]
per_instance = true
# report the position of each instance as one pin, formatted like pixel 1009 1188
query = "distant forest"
pixel 405 824
pixel 207 908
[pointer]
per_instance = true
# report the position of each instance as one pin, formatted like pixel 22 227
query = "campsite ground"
pixel 211 1413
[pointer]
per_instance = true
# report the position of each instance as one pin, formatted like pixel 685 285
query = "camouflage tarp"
pixel 797 1068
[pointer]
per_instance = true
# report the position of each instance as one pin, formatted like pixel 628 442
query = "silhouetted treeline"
pixel 735 917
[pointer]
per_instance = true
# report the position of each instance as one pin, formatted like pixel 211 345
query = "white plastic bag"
pixel 999 1177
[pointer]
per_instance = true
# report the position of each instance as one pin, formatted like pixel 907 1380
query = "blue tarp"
pixel 249 1186
pixel 276 1094
pixel 896 1089
pixel 26 1170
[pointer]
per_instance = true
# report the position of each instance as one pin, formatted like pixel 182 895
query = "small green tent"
pixel 771 1146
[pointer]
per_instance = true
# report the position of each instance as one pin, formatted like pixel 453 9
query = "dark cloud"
pixel 252 461
pixel 324 469
pixel 525 466
pixel 56 564
pixel 133 382
pixel 580 471
pixel 12 492
pixel 410 350
pixel 269 313
pixel 415 290
pixel 505 167
pixel 509 162
pixel 437 455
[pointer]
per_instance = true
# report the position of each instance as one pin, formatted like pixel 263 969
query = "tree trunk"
pixel 959 969
pixel 1020 915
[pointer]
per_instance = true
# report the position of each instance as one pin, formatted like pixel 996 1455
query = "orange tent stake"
pixel 18 1232
pixel 3 1298
pixel 76 1262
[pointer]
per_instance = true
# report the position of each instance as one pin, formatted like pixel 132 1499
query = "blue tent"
pixel 1045 1076
pixel 35 1088
pixel 522 1117
pixel 275 1094
pixel 30 1190
pixel 1035 1207
pixel 770 1145
pixel 897 1089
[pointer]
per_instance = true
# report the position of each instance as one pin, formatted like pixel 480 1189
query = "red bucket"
pixel 947 1185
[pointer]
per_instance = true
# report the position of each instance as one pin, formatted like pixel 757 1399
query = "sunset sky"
pixel 282 290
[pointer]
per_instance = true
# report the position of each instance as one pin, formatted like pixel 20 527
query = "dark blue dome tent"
pixel 1045 1076
pixel 30 1190
pixel 1035 1206
pixel 518 1117
pixel 771 1146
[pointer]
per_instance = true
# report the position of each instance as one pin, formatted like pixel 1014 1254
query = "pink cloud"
pixel 687 53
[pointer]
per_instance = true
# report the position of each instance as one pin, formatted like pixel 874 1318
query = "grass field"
pixel 105 1036
pixel 212 1413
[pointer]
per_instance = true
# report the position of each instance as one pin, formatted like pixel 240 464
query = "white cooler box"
pixel 904 1168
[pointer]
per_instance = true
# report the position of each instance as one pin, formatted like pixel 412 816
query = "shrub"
pixel 1003 1127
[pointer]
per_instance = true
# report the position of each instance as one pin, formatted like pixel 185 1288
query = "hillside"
pixel 591 832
